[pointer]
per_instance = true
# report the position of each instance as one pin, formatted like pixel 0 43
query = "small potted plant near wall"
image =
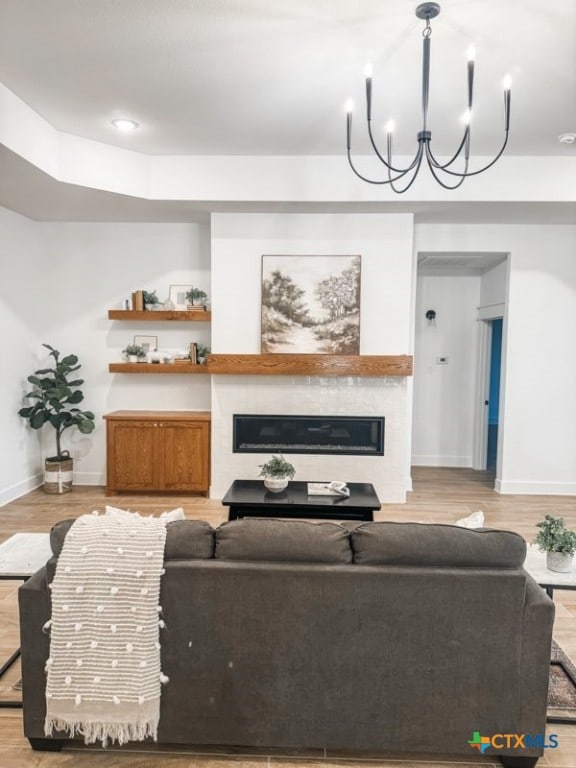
pixel 55 394
pixel 135 353
pixel 558 542
pixel 276 473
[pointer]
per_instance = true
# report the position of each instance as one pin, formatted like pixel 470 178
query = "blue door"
pixel 494 393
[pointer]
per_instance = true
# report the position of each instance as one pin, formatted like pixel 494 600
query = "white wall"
pixel 444 395
pixel 494 286
pixel 21 299
pixel 538 404
pixel 385 244
pixel 60 294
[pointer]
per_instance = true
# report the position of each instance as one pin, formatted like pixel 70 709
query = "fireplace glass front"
pixel 345 435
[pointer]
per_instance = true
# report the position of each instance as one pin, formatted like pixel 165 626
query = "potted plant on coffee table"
pixel 558 542
pixel 276 473
pixel 55 394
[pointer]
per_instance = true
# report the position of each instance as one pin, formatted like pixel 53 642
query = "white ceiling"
pixel 269 77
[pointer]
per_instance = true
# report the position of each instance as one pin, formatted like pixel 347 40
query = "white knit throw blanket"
pixel 104 672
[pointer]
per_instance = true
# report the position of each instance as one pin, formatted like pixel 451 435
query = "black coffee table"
pixel 249 498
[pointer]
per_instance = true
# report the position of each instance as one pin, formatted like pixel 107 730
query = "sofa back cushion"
pixel 442 545
pixel 189 540
pixel 283 541
pixel 185 539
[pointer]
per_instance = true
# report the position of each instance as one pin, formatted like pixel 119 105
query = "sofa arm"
pixel 35 611
pixel 536 649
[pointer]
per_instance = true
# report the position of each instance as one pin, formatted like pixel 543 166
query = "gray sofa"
pixel 381 637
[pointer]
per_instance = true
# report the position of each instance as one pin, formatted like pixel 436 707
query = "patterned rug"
pixel 562 689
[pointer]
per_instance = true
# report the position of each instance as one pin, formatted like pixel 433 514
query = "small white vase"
pixel 275 484
pixel 132 358
pixel 561 562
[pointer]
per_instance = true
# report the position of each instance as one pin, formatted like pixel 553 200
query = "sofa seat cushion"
pixel 274 540
pixel 442 545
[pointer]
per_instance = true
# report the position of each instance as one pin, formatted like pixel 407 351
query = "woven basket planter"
pixel 58 475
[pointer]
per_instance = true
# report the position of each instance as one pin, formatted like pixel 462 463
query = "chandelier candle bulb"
pixel 369 94
pixel 507 88
pixel 471 55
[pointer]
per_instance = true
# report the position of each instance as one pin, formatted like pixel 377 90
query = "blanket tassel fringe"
pixel 120 733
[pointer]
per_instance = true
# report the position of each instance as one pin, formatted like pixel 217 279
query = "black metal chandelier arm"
pixel 381 157
pixel 485 168
pixel 419 157
pixel 434 168
pixel 373 181
pixel 454 157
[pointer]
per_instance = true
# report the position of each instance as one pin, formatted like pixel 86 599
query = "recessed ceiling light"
pixel 126 126
pixel 567 138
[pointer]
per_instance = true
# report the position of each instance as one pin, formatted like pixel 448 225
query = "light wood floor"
pixel 440 495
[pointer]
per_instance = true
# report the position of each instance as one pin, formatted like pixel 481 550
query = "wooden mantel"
pixel 311 365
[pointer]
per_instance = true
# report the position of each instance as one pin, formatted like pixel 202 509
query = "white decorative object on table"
pixel 276 484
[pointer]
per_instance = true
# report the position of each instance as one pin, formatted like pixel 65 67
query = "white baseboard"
pixel 532 488
pixel 89 478
pixel 442 461
pixel 408 483
pixel 12 492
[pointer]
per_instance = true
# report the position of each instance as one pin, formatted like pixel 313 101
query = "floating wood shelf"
pixel 197 316
pixel 311 365
pixel 157 368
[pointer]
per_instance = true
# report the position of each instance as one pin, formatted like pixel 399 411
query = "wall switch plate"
pixel 442 360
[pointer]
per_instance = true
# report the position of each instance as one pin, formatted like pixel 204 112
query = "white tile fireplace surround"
pixel 303 395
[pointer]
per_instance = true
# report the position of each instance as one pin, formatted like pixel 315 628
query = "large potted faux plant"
pixel 558 542
pixel 276 473
pixel 55 394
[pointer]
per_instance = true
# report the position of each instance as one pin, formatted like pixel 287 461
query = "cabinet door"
pixel 186 456
pixel 134 456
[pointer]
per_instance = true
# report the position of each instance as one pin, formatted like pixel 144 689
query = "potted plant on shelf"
pixel 151 301
pixel 135 353
pixel 558 542
pixel 55 395
pixel 201 352
pixel 196 298
pixel 276 473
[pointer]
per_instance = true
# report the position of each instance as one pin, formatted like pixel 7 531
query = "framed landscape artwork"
pixel 311 304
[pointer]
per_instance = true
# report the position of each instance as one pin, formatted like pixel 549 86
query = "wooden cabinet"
pixel 166 451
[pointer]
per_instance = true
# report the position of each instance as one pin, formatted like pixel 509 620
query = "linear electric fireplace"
pixel 345 435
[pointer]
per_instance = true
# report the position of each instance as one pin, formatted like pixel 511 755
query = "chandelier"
pixel 444 173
